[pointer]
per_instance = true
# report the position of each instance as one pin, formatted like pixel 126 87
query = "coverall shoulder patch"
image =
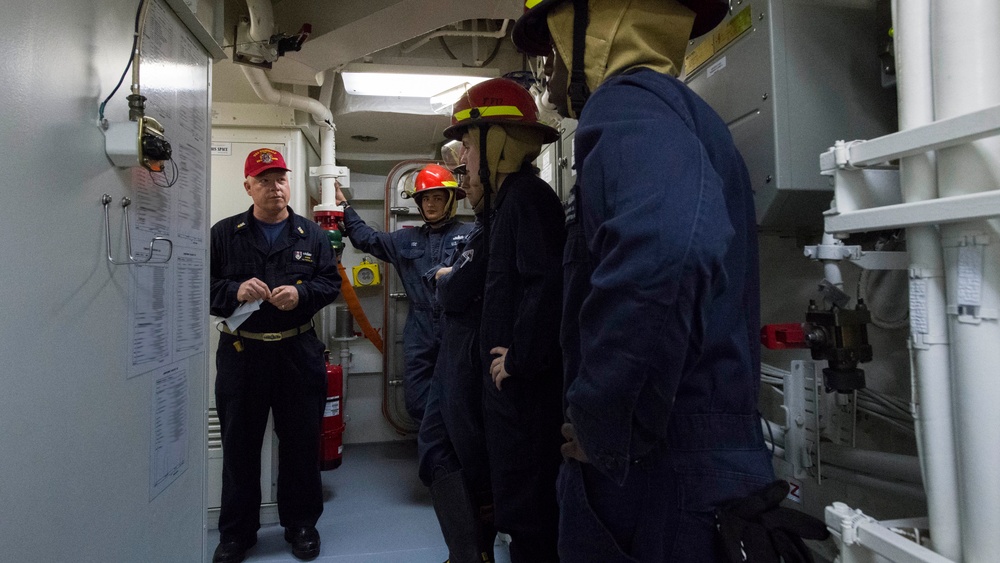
pixel 569 207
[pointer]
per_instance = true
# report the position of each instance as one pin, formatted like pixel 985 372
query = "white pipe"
pixel 929 345
pixel 321 115
pixel 501 33
pixel 345 363
pixel 831 268
pixel 261 19
pixel 265 91
pixel 881 464
pixel 966 78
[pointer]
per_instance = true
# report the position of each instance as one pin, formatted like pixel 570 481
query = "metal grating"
pixel 214 430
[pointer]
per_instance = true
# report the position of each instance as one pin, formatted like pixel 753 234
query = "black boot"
pixel 459 522
pixel 487 530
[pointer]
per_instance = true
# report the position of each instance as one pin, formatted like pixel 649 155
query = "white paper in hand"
pixel 242 313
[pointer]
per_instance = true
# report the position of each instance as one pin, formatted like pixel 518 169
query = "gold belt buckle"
pixel 271 336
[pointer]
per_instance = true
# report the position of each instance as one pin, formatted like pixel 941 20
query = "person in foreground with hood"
pixel 523 236
pixel 661 292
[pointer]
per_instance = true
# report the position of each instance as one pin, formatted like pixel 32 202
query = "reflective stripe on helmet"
pixel 529 4
pixel 488 111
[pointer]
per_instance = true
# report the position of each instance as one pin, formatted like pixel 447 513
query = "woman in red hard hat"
pixel 413 252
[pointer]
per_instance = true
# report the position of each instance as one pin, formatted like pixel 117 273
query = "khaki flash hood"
pixel 626 34
pixel 509 147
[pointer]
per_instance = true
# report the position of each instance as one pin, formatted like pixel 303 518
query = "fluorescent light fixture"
pixel 364 79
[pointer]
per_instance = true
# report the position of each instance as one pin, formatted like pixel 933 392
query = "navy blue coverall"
pixel 452 435
pixel 660 324
pixel 287 377
pixel 521 307
pixel 413 252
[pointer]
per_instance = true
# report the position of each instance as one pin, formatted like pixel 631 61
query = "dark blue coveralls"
pixel 453 459
pixel 287 377
pixel 413 252
pixel 451 434
pixel 521 307
pixel 659 327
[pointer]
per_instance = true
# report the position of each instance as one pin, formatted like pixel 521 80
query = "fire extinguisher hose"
pixel 347 290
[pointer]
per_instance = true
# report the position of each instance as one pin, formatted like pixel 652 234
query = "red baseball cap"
pixel 262 160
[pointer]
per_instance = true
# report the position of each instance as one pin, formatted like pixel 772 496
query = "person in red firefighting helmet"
pixel 661 311
pixel 497 123
pixel 413 252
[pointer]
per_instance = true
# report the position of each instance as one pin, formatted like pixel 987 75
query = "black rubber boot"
pixel 487 530
pixel 458 519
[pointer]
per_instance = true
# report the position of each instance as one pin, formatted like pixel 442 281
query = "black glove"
pixel 756 529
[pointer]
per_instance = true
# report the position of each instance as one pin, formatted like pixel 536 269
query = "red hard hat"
pixel 531 31
pixel 499 101
pixel 435 177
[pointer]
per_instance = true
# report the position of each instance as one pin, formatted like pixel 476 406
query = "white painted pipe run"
pixel 965 36
pixel 321 114
pixel 499 34
pixel 261 19
pixel 831 268
pixel 345 365
pixel 929 345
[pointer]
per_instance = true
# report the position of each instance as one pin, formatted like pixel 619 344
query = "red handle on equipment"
pixel 783 336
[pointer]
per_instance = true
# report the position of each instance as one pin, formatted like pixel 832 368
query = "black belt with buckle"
pixel 267 336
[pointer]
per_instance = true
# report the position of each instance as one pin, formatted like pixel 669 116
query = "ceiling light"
pixel 365 79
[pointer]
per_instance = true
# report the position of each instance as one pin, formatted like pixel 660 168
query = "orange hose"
pixel 347 290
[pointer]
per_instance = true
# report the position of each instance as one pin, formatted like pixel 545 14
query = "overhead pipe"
pixel 321 114
pixel 931 382
pixel 965 79
pixel 500 34
pixel 261 28
pixel 261 20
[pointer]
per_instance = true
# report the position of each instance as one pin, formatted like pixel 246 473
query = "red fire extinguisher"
pixel 332 437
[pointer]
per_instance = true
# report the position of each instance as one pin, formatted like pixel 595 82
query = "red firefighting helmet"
pixel 435 177
pixel 499 101
pixel 531 31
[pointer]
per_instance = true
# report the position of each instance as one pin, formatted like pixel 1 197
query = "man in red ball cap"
pixel 273 361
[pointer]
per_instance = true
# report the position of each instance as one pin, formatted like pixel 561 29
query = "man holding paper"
pixel 281 263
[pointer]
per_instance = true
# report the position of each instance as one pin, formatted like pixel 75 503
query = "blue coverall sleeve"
pixel 657 226
pixel 222 291
pixel 366 239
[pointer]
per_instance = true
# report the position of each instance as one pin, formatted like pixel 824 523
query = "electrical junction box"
pixel 366 273
pixel 790 78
